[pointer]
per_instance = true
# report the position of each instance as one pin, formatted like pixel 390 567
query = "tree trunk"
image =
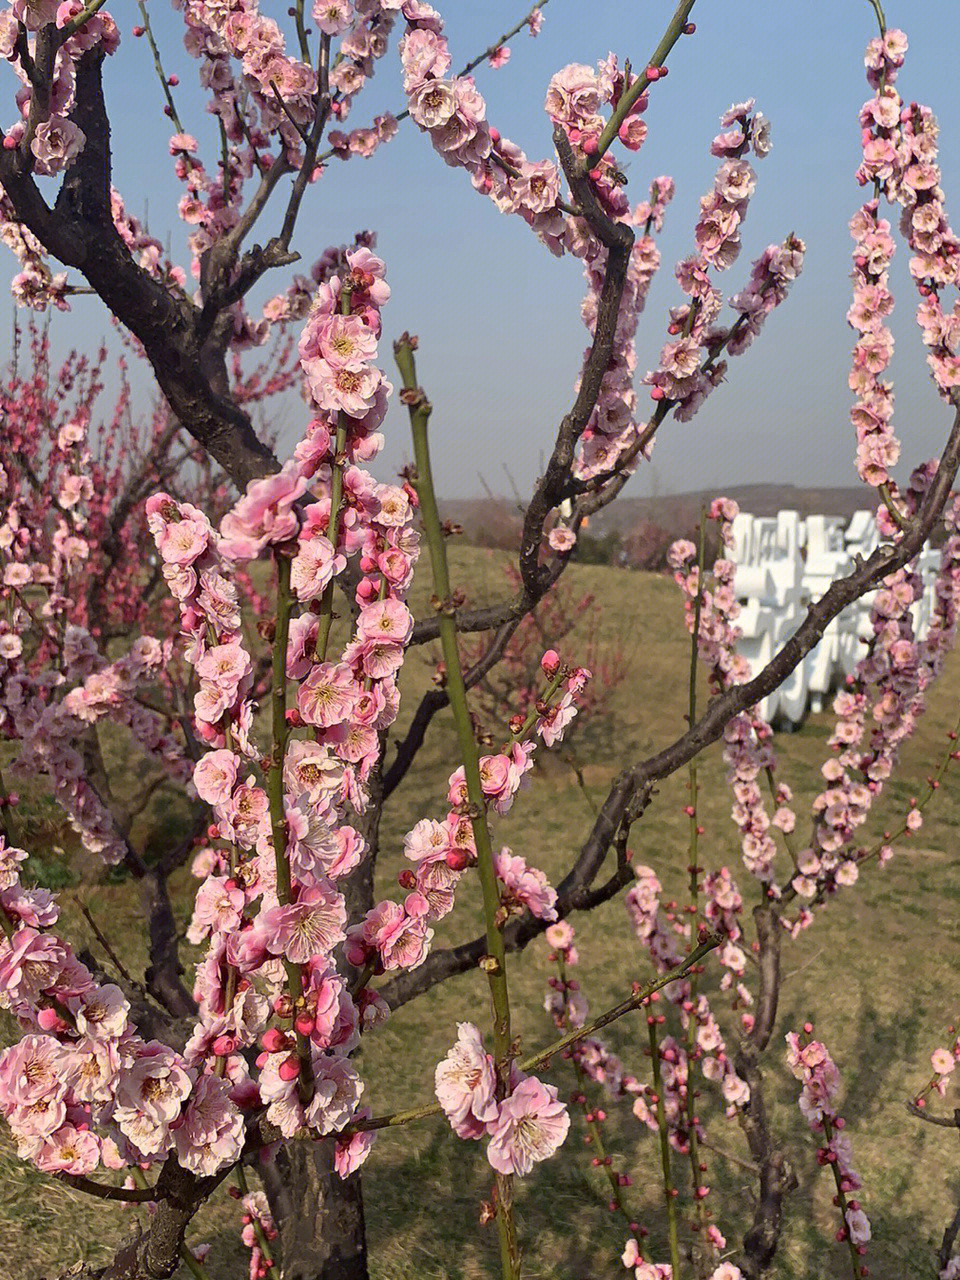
pixel 319 1215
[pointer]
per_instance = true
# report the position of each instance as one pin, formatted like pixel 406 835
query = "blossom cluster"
pixel 656 933
pixel 879 709
pixel 269 908
pixel 218 34
pixel 441 851
pixel 690 367
pixel 810 1062
pixel 525 1127
pixel 266 100
pixel 34 285
pixel 877 447
pixel 81 1088
pixel 270 904
pixel 747 737
pixel 45 133
pixel 900 158
pixel 452 111
pixel 55 140
pixel 259 1230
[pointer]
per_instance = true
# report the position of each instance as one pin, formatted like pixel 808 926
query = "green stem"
pixel 543 1057
pixel 693 870
pixel 83 17
pixel 275 795
pixel 842 1198
pixel 668 1189
pixel 670 37
pixel 280 729
pixel 534 715
pixel 903 522
pixel 364 976
pixel 302 33
pixel 161 76
pixel 262 1240
pixel 881 19
pixel 495 962
pixel 593 1124
pixel 193 1263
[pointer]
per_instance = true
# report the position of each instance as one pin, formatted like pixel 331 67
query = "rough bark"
pixel 319 1215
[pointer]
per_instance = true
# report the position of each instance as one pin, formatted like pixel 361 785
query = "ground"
pixel 876 974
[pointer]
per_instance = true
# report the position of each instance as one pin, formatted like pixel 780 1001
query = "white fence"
pixel 785 562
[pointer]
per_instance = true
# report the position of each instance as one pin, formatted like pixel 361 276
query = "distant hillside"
pixel 758 499
pixel 497 520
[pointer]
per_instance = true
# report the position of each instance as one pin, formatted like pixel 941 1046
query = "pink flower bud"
pixel 550 661
pixel 304 1024
pixel 290 1068
pixel 49 1020
pixel 273 1040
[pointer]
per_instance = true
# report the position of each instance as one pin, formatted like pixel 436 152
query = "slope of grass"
pixel 876 974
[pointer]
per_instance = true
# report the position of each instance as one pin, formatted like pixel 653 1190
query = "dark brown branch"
pixel 950 1233
pixel 775 1173
pixel 155 1255
pixel 631 790
pixel 81 233
pixel 618 239
pixel 945 1122
pixel 126 1195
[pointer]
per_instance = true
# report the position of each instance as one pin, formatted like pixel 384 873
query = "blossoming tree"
pixel 252 1065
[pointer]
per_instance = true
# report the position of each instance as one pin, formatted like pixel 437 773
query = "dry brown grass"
pixel 876 974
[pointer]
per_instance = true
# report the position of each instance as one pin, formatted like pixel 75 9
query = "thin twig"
pixel 117 962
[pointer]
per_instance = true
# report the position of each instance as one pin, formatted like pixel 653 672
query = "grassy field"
pixel 876 974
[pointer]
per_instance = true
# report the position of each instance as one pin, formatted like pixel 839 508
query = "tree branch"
pixel 632 789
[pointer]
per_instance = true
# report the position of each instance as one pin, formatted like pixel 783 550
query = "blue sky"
pixel 498 316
